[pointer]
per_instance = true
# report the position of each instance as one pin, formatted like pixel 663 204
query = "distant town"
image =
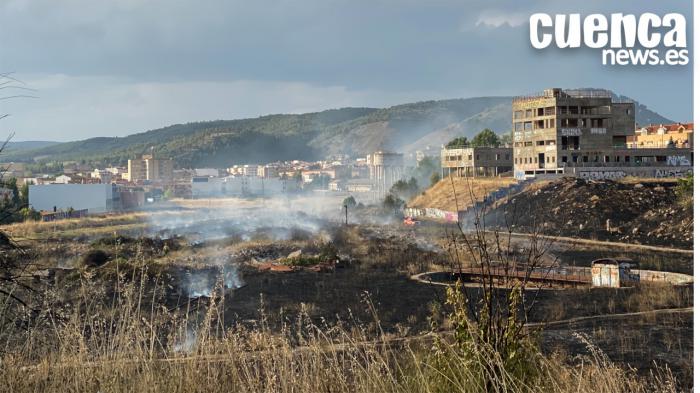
pixel 586 134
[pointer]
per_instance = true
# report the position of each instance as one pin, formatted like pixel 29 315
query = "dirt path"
pixel 574 240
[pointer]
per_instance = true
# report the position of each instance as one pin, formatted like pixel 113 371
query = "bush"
pixel 29 214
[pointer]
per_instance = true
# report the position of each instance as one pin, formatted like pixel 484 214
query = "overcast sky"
pixel 113 68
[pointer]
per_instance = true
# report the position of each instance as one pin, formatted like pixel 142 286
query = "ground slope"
pixel 450 193
pixel 641 211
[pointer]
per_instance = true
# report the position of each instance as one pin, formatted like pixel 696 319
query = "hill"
pixel 27 145
pixel 353 131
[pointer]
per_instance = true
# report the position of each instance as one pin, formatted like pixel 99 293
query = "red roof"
pixel 653 128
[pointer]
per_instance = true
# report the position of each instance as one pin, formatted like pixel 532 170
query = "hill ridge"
pixel 350 130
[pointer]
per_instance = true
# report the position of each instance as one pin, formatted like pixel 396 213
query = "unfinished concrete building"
pixel 476 161
pixel 385 169
pixel 584 132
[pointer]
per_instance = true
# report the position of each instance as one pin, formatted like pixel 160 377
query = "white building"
pixel 96 198
pixel 244 170
pixel 236 186
pixel 63 179
pixel 206 172
pixel 104 175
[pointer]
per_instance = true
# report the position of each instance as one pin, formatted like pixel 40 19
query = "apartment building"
pixel 679 135
pixel 476 161
pixel 149 168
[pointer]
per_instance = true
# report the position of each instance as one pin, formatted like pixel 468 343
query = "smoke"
pixel 245 219
pixel 188 344
pixel 203 282
pixel 233 220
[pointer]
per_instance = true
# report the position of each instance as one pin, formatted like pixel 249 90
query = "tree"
pixel 12 186
pixel 29 214
pixel 393 203
pixel 460 141
pixel 426 167
pixel 506 139
pixel 24 195
pixel 486 138
pixel 405 189
pixel 14 263
pixel 434 178
pixel 319 182
pixel 350 202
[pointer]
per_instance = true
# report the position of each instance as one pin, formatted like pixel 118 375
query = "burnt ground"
pixel 640 341
pixel 645 212
pixel 381 260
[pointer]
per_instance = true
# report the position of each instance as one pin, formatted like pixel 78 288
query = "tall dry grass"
pixel 132 344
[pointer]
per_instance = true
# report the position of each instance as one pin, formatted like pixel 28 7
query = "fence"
pixel 60 215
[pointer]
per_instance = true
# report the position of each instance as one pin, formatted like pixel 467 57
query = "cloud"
pixel 496 18
pixel 111 68
pixel 71 108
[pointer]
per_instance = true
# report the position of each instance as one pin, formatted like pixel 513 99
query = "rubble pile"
pixel 646 212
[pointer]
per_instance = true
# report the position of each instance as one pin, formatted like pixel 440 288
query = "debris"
pixel 646 212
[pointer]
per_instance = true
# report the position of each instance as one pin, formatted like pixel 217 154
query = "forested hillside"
pixel 353 131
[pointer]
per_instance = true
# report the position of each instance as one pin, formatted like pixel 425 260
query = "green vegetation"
pixel 14 203
pixel 349 202
pixel 685 186
pixel 221 143
pixel 506 139
pixel 486 138
pixel 460 141
pixel 405 190
pixel 684 190
pixel 393 203
pixel 426 169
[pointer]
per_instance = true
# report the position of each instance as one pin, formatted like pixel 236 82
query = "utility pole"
pixel 346 214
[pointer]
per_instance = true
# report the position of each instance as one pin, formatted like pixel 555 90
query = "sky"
pixel 114 68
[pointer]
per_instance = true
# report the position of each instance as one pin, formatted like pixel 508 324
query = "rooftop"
pixel 573 93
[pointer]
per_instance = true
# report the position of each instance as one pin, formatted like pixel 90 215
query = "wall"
pixel 96 198
pixel 615 173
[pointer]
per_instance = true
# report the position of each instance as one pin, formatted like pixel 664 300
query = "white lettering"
pixel 646 39
pixel 676 36
pixel 573 38
pixel 618 21
pixel 535 21
pixel 594 27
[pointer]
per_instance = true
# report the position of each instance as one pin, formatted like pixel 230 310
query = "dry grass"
pixel 124 348
pixel 442 195
pixel 91 225
pixel 655 296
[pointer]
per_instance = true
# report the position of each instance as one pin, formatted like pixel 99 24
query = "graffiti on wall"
pixel 603 175
pixel 673 172
pixel 571 132
pixel 677 161
pixel 433 213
